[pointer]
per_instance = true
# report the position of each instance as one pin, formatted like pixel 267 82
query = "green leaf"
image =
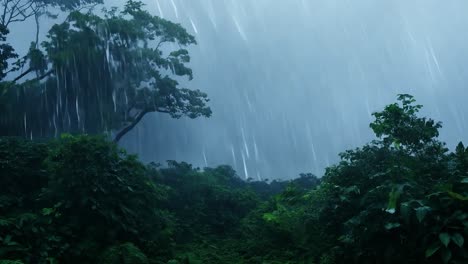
pixel 4 222
pixel 458 239
pixel 464 180
pixel 458 196
pixel 390 226
pixel 392 201
pixel 432 249
pixel 269 217
pixel 446 255
pixel 353 189
pixel 444 238
pixel 7 239
pixel 421 212
pixel 48 211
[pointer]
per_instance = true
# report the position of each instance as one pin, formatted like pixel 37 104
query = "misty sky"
pixel 293 83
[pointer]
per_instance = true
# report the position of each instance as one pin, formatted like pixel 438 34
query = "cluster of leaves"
pixel 17 11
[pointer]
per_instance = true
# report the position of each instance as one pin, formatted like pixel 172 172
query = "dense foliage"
pixel 100 73
pixel 79 199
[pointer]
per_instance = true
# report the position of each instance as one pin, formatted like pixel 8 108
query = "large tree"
pixel 103 74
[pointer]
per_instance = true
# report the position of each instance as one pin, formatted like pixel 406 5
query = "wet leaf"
pixel 432 249
pixel 421 212
pixel 444 238
pixel 446 255
pixel 458 239
pixel 390 226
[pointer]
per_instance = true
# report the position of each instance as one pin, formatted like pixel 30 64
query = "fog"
pixel 293 83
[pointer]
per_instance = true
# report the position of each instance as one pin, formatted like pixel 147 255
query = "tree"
pixel 106 73
pixel 13 11
pixel 399 198
pixel 399 124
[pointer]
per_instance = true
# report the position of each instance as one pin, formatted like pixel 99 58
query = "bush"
pixel 126 253
pixel 71 198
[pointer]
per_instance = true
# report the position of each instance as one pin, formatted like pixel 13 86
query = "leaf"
pixel 458 239
pixel 444 238
pixel 464 180
pixel 346 239
pixel 392 201
pixel 457 196
pixel 353 189
pixel 432 249
pixel 269 217
pixel 4 222
pixel 47 211
pixel 421 212
pixel 390 226
pixel 446 255
pixel 7 239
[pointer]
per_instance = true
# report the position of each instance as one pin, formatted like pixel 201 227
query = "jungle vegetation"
pixel 71 195
pixel 81 199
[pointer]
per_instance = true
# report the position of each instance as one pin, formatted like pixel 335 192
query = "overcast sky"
pixel 293 83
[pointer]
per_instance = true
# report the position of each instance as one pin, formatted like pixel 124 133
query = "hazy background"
pixel 293 83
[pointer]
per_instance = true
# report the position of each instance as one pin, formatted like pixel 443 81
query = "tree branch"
pixel 137 119
pixel 38 78
pixel 5 10
pixel 22 75
pixel 127 129
pixel 36 18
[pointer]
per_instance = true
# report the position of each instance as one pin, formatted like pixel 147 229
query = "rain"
pixel 294 83
pixel 233 131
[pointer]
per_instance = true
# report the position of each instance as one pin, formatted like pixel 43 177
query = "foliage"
pixel 60 198
pixel 205 203
pixel 105 73
pixel 79 199
pixel 17 11
pixel 126 253
pixel 402 198
pixel 7 52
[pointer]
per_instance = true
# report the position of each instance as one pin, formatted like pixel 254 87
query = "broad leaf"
pixel 390 226
pixel 392 201
pixel 444 238
pixel 446 255
pixel 458 239
pixel 421 212
pixel 432 249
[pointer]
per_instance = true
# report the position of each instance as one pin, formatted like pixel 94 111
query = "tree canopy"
pixel 103 74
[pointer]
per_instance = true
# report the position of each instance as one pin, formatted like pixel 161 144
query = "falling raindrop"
pixel 175 9
pixel 246 173
pixel 193 26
